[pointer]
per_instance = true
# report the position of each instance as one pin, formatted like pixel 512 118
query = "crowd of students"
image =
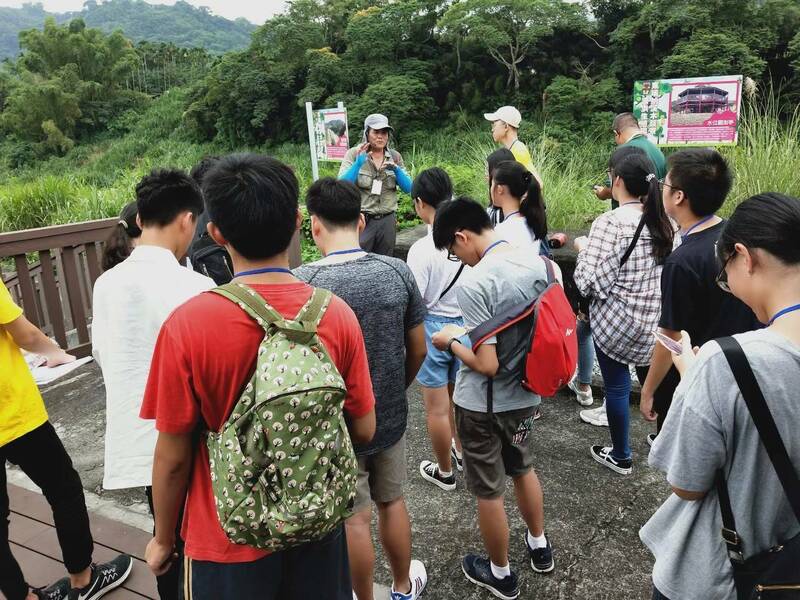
pixel 180 362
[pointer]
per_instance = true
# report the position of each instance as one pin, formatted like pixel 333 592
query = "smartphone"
pixel 669 343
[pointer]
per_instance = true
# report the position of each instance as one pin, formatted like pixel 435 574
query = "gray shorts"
pixel 494 446
pixel 381 476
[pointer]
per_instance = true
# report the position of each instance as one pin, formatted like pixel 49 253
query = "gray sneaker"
pixel 583 398
pixel 105 577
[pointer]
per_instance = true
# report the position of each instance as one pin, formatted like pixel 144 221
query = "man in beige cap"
pixel 505 123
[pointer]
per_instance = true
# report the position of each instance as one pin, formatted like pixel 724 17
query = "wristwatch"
pixel 450 344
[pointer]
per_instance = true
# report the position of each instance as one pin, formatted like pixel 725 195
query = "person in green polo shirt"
pixel 627 133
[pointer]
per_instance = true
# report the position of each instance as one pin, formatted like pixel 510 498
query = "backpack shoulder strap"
pixel 250 302
pixel 312 312
pixel 765 424
pixel 551 272
pixel 452 282
pixel 633 243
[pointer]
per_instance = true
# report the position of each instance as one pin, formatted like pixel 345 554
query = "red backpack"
pixel 552 355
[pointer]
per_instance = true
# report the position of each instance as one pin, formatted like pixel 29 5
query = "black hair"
pixel 638 174
pixel 336 202
pixel 704 176
pixel 523 185
pixel 769 221
pixel 432 186
pixel 200 169
pixel 163 194
pixel 119 242
pixel 455 215
pixel 252 199
pixel 494 159
pixel 624 121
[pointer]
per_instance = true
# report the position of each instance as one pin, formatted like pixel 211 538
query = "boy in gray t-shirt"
pixel 384 296
pixel 494 445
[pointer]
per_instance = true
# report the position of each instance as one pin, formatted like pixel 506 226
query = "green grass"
pixel 96 179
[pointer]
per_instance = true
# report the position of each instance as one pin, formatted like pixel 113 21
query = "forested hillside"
pixel 180 24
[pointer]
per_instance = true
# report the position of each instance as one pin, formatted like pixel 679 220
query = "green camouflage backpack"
pixel 283 470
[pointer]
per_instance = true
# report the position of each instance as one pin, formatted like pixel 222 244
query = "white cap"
pixel 507 114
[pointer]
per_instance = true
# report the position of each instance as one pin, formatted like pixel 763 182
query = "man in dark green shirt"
pixel 627 133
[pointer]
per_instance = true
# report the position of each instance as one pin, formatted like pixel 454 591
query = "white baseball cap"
pixel 507 114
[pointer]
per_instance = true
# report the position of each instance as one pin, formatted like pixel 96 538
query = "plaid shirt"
pixel 626 303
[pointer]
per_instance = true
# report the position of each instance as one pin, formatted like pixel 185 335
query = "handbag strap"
pixel 453 282
pixel 632 245
pixel 770 437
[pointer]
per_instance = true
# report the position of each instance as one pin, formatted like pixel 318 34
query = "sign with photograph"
pixel 697 111
pixel 330 133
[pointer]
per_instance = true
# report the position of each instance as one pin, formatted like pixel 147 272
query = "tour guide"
pixel 378 171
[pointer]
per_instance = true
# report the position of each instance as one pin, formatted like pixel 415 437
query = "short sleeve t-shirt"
pixel 434 274
pixel 384 296
pixel 515 230
pixel 497 283
pixel 690 296
pixel 21 405
pixel 709 428
pixel 205 354
pixel 523 156
pixel 653 152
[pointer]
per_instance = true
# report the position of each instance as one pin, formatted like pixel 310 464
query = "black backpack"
pixel 208 257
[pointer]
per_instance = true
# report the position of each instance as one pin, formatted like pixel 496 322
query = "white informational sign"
pixel 697 111
pixel 328 135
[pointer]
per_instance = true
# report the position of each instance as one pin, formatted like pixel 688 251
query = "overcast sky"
pixel 256 11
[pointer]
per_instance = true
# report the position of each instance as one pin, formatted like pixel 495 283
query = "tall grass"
pixel 95 181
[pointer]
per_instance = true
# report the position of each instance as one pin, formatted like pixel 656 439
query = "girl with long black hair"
pixel 495 158
pixel 122 238
pixel 517 192
pixel 619 268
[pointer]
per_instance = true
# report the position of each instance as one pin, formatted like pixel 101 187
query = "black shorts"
pixel 495 446
pixel 278 576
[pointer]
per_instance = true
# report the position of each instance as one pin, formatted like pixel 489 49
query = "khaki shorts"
pixel 494 447
pixel 381 476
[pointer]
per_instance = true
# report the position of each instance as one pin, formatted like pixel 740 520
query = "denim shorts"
pixel 440 367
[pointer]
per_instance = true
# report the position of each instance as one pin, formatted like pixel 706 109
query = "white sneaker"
pixel 583 398
pixel 595 416
pixel 419 579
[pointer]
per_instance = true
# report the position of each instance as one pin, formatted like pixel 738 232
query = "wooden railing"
pixel 56 290
pixel 54 286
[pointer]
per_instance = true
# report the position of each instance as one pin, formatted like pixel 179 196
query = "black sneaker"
pixel 602 454
pixel 58 591
pixel 458 462
pixel 541 558
pixel 105 577
pixel 430 472
pixel 479 571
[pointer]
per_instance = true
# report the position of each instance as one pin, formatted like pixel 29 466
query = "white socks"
pixel 500 572
pixel 444 473
pixel 536 542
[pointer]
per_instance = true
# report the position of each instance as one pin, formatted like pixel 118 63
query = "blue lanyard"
pixel 785 311
pixel 498 242
pixel 696 225
pixel 264 270
pixel 351 251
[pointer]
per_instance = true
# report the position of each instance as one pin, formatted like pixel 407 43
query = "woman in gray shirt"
pixel 709 427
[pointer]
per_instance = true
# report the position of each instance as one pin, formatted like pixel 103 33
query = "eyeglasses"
pixel 722 276
pixel 662 184
pixel 450 255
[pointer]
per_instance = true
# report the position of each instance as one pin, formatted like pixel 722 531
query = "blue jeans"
pixel 617 383
pixel 585 352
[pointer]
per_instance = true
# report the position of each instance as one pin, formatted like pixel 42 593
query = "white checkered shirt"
pixel 626 303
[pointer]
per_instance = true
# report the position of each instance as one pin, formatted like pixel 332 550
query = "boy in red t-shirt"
pixel 205 354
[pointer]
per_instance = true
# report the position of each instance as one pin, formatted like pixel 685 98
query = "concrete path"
pixel 592 514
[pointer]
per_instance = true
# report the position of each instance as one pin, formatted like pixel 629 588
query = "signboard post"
pixel 696 111
pixel 328 135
